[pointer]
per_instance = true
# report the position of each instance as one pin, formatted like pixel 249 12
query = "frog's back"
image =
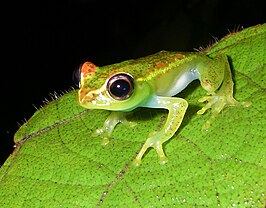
pixel 149 66
pixel 145 68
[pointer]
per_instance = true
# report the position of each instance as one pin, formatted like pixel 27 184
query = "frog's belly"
pixel 171 86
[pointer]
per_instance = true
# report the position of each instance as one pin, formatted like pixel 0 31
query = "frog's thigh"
pixel 212 72
pixel 177 109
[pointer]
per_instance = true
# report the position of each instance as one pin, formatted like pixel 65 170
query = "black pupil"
pixel 120 88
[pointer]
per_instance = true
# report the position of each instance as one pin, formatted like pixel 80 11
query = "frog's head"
pixel 110 91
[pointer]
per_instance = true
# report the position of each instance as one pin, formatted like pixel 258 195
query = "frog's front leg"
pixel 177 108
pixel 217 77
pixel 110 123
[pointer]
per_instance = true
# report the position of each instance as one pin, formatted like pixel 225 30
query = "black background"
pixel 43 42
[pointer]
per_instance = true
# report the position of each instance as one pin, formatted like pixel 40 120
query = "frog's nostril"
pixel 92 95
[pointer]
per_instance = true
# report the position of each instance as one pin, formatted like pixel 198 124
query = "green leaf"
pixel 57 162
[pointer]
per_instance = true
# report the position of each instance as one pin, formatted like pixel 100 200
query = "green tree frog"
pixel 152 82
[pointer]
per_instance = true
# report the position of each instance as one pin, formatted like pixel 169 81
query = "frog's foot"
pixel 104 134
pixel 109 125
pixel 217 102
pixel 155 142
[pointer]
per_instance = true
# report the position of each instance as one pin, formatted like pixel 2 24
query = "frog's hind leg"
pixel 216 101
pixel 177 109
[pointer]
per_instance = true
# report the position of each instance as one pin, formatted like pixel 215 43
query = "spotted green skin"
pixel 157 78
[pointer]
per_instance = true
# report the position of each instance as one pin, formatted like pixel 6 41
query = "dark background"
pixel 43 42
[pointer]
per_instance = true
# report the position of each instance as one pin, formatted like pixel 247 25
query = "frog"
pixel 155 81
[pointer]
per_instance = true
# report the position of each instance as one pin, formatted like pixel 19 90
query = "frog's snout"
pixel 86 96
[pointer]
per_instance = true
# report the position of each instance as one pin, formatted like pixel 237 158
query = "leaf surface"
pixel 57 162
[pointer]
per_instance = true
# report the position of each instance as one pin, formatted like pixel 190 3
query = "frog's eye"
pixel 76 76
pixel 120 86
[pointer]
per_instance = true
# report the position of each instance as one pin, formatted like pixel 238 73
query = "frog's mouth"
pixel 94 99
pixel 82 95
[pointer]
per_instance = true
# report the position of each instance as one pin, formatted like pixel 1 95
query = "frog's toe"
pixel 230 101
pixel 208 97
pixel 105 141
pixel 210 105
pixel 97 132
pixel 206 107
pixel 102 134
pixel 132 124
pixel 160 152
pixel 136 162
pixel 246 104
pixel 163 159
pixel 207 124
